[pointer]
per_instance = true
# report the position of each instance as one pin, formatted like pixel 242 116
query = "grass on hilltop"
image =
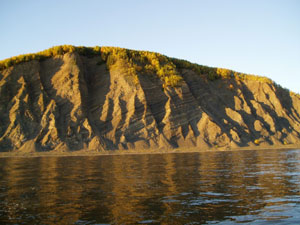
pixel 54 51
pixel 217 73
pixel 135 62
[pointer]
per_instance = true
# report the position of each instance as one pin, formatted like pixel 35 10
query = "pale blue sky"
pixel 257 36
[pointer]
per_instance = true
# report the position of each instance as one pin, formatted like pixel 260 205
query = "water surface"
pixel 250 187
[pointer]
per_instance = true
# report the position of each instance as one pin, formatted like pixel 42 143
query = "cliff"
pixel 71 98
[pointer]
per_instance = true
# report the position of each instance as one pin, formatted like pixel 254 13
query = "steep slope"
pixel 69 98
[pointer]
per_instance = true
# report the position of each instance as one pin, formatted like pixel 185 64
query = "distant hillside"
pixel 70 98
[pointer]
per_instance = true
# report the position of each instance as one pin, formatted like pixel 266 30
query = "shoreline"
pixel 144 151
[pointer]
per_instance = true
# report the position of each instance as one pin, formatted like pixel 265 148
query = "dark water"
pixel 254 187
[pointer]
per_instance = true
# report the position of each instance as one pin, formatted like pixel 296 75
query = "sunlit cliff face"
pixel 112 98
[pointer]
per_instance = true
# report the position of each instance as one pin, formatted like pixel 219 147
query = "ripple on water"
pixel 251 187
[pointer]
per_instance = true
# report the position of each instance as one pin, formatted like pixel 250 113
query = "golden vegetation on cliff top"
pixel 136 62
pixel 217 73
pixel 143 62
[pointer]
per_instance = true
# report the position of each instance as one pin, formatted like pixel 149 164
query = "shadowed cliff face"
pixel 72 102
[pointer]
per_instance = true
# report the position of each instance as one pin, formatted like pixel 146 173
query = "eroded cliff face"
pixel 72 102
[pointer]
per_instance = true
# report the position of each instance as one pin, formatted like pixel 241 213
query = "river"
pixel 232 187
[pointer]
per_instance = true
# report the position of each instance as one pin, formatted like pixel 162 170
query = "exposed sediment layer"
pixel 72 102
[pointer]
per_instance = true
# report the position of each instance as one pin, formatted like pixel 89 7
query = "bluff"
pixel 69 98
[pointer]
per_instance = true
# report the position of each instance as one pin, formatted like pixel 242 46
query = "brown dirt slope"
pixel 113 101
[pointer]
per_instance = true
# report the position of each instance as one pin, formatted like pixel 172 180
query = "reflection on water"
pixel 196 188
